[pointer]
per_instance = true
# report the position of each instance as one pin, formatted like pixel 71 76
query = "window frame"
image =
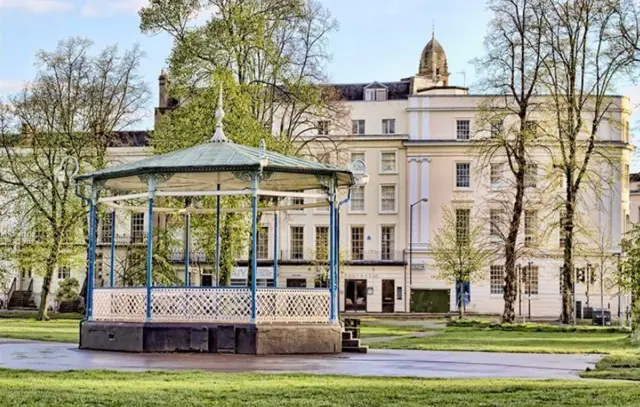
pixel 263 233
pixel 392 121
pixel 322 130
pixel 457 123
pixel 494 288
pixel 527 283
pixel 455 176
pixel 393 241
pixel 499 182
pixel 356 124
pixel 137 236
pixel 351 246
pixel 291 241
pixel 395 199
pixel 363 188
pixel 395 162
pixel 530 231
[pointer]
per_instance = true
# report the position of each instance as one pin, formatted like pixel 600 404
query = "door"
pixel 355 296
pixel 296 283
pixel 388 289
pixel 430 301
pixel 206 280
pixel 25 279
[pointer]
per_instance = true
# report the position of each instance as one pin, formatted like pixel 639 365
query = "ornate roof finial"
pixel 218 136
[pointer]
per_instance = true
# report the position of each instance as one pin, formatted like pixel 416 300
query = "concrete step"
pixel 349 343
pixel 346 335
pixel 355 349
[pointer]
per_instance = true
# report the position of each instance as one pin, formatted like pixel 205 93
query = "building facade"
pixel 414 136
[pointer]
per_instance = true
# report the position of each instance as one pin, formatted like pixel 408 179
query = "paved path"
pixel 19 354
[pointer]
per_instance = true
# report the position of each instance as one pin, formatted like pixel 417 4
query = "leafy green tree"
pixel 73 109
pixel 461 250
pixel 629 277
pixel 269 57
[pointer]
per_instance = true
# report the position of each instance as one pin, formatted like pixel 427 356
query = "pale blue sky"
pixel 377 40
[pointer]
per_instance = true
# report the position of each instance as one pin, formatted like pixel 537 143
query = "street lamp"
pixel 61 172
pixel 411 246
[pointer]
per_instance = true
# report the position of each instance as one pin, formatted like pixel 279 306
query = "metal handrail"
pixel 30 289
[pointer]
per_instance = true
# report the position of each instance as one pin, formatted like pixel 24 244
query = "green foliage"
pixel 533 327
pixel 616 367
pixel 629 273
pixel 68 290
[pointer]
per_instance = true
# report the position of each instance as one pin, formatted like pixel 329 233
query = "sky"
pixel 378 40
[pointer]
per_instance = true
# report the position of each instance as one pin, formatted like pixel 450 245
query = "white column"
pixel 413 119
pixel 425 119
pixel 413 197
pixel 424 206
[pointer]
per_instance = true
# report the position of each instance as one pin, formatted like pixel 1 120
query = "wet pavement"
pixel 52 356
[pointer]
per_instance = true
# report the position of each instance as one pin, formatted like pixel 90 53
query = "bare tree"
pixel 73 108
pixel 511 69
pixel 587 57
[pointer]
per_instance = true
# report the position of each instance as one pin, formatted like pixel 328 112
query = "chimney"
pixel 162 90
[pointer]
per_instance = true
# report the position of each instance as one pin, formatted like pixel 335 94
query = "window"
pixel 357 126
pixel 387 162
pixel 387 198
pixel 463 175
pixel 495 221
pixel 531 175
pixel 322 242
pixel 137 227
pixel 497 128
pixel 64 272
pixel 357 200
pixel 530 280
pixel 323 127
pixel 625 175
pixel 99 269
pixel 297 242
pixel 496 173
pixel 387 242
pixel 357 156
pixel 298 201
pixel 561 235
pixel 398 293
pixel 463 217
pixel 262 251
pixel 357 242
pixel 496 279
pixel 530 217
pixel 462 129
pixel 375 94
pixel 105 228
pixel 388 126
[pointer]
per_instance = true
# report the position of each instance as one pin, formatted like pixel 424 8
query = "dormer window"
pixel 375 92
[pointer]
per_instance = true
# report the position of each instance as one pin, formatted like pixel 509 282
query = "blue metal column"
pixel 332 254
pixel 254 245
pixel 187 254
pixel 217 238
pixel 275 249
pixel 152 192
pixel 112 271
pixel 92 250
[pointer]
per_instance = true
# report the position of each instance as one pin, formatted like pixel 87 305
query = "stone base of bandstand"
pixel 252 339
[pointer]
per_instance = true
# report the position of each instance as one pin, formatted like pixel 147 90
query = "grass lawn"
pixel 491 340
pixel 27 388
pixel 58 330
pixel 372 329
pixel 619 366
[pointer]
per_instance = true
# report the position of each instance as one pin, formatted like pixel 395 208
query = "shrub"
pixel 68 290
pixel 534 327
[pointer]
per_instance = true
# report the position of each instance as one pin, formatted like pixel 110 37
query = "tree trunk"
pixel 52 260
pixel 510 277
pixel 568 266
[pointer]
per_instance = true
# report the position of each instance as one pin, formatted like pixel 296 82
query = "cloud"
pixel 107 8
pixel 10 86
pixel 38 6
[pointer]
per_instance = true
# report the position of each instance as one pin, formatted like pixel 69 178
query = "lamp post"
pixel 408 292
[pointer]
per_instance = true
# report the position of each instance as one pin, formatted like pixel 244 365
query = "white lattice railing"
pixel 273 305
pixel 119 304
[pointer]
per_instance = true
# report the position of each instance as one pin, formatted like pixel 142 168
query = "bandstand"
pixel 248 320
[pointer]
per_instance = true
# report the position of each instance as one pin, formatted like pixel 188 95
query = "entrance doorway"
pixel 355 295
pixel 206 280
pixel 388 290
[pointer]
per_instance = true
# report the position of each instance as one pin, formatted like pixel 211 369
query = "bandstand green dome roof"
pixel 219 162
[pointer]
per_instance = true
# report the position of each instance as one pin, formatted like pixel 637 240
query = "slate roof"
pixel 355 91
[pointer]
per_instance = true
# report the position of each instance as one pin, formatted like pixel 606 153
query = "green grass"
pixel 619 367
pixel 59 330
pixel 534 327
pixel 27 388
pixel 33 314
pixel 379 328
pixel 491 340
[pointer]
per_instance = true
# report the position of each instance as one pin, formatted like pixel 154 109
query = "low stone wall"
pixel 211 338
